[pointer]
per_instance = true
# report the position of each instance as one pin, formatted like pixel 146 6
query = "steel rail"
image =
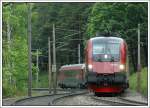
pixel 119 102
pixel 133 101
pixel 54 101
pixel 26 99
pixel 18 102
pixel 46 89
pixel 34 97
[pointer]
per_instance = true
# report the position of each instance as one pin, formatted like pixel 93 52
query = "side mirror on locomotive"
pixel 106 64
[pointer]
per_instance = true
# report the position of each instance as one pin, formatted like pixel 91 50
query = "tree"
pixel 14 49
pixel 121 19
pixel 67 16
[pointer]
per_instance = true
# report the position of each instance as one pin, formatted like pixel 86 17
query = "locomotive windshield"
pixel 106 50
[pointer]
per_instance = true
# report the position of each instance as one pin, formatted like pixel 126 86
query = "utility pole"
pixel 9 50
pixel 49 64
pixel 79 53
pixel 54 60
pixel 9 29
pixel 37 66
pixel 29 52
pixel 139 62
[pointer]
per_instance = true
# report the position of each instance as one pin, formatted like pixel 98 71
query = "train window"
pixel 71 72
pixel 98 49
pixel 112 48
pixel 109 49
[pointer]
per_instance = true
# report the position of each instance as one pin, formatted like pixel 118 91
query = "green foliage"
pixel 108 18
pixel 43 80
pixel 15 50
pixel 116 17
pixel 144 81
pixel 68 16
pixel 121 20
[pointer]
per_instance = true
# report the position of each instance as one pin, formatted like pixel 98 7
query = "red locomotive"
pixel 72 76
pixel 106 64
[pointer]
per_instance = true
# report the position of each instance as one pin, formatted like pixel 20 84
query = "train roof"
pixel 105 38
pixel 72 67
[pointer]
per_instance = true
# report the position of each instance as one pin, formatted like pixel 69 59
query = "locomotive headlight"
pixel 105 56
pixel 122 67
pixel 90 66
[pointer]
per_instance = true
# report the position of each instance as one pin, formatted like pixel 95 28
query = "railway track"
pixel 37 100
pixel 41 100
pixel 118 101
pixel 133 101
pixel 46 89
pixel 69 94
pixel 55 100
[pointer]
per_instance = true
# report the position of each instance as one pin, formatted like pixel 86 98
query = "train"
pixel 72 76
pixel 106 63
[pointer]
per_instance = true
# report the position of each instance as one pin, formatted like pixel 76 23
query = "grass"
pixel 43 81
pixel 143 82
pixel 22 90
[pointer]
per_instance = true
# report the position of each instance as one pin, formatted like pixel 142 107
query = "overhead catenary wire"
pixel 66 29
pixel 67 36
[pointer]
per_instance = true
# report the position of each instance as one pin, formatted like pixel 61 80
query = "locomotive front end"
pixel 106 64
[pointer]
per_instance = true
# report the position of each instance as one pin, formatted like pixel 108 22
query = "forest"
pixel 75 23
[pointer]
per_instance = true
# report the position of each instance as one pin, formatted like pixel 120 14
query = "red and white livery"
pixel 106 64
pixel 72 76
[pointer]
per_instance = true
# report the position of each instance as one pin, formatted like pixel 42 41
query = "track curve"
pixel 36 101
pixel 119 101
pixel 43 100
pixel 55 100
